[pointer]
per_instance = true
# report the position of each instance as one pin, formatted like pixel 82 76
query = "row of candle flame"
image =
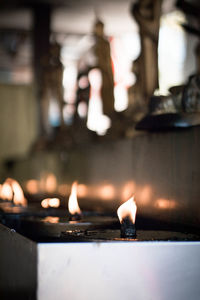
pixel 104 191
pixel 11 190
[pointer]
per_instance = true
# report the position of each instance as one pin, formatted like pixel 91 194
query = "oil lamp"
pixel 50 202
pixel 14 205
pixel 74 220
pixel 12 197
pixel 147 229
pixel 51 223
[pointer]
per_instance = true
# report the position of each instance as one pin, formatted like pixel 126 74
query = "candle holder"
pixel 11 214
pixel 128 229
pixel 115 236
pixel 75 217
pixel 53 226
pixel 95 227
pixel 148 229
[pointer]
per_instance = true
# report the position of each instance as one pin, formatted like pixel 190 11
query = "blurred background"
pixel 76 77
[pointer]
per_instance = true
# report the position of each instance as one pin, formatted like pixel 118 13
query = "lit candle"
pixel 127 214
pixel 73 207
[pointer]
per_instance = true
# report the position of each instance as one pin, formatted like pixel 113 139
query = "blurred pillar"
pixel 41 49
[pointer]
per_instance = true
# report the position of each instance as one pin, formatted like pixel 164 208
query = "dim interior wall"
pixel 162 169
pixel 18 120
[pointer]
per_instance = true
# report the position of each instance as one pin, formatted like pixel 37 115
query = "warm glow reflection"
pixel 50 219
pixel 50 202
pixel 51 183
pixel 48 183
pixel 18 194
pixel 63 189
pixel 32 186
pixel 145 194
pixel 128 190
pixel 165 203
pixel 73 206
pixel 107 192
pixel 6 192
pixel 127 209
pixel 82 190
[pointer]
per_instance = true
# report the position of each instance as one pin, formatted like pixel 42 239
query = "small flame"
pixel 11 190
pixel 73 202
pixel 6 192
pixel 127 209
pixel 54 202
pixel 45 203
pixel 50 202
pixel 18 194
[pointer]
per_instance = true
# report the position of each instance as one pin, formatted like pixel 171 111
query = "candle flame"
pixel 50 202
pixel 45 203
pixel 6 192
pixel 11 190
pixel 54 202
pixel 73 206
pixel 127 209
pixel 18 194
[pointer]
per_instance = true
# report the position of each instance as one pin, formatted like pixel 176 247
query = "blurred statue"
pixel 191 95
pixel 197 53
pixel 159 105
pixel 103 62
pixel 181 108
pixel 192 10
pixel 177 94
pixel 52 85
pixel 147 14
pixel 82 96
pixel 183 99
pixel 136 107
